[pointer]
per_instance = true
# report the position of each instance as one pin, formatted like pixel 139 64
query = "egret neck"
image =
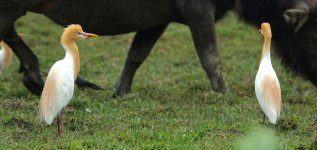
pixel 72 53
pixel 266 47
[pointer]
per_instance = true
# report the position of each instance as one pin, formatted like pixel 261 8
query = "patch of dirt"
pixel 21 123
pixel 296 100
pixel 77 105
pixel 301 147
pixel 12 105
pixel 243 93
pixel 312 128
pixel 16 105
pixel 236 131
pixel 77 124
pixel 286 125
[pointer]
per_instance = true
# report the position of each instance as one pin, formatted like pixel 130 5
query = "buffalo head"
pixel 296 42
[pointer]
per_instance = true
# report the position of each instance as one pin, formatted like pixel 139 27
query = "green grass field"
pixel 171 105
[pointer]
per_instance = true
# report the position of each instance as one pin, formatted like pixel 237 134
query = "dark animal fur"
pixel 149 18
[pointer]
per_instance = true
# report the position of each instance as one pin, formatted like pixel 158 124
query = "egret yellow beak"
pixel 88 34
pixel 21 34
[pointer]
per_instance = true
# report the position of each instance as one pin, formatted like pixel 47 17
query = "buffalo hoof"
pixel 83 84
pixel 218 85
pixel 33 82
pixel 121 89
pixel 222 90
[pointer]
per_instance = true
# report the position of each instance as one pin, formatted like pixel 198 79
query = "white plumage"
pixel 5 56
pixel 58 89
pixel 267 87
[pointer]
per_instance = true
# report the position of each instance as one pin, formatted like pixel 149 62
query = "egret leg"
pixel 60 123
pixel 263 118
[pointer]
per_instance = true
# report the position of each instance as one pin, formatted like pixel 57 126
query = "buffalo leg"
pixel 140 48
pixel 29 64
pixel 201 21
pixel 82 83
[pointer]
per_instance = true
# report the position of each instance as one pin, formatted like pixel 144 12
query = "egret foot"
pixel 60 123
pixel 263 119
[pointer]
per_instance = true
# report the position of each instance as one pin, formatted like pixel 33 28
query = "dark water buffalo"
pixel 294 23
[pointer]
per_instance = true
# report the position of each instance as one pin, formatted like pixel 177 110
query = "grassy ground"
pixel 171 105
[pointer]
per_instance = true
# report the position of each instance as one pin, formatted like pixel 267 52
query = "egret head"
pixel 74 32
pixel 266 30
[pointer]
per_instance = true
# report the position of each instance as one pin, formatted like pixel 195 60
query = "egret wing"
pixel 269 96
pixel 57 92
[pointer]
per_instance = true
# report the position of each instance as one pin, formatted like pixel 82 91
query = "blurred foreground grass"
pixel 171 105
